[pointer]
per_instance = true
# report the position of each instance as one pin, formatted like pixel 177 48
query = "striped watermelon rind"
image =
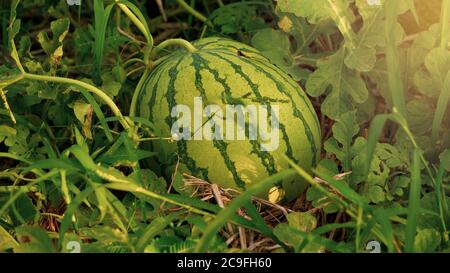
pixel 223 71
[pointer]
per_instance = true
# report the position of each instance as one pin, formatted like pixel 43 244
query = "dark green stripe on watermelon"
pixel 295 110
pixel 200 63
pixel 182 145
pixel 260 99
pixel 265 157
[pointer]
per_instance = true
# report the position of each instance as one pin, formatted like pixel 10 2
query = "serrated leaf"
pixel 54 46
pixel 347 86
pixel 344 130
pixel 376 194
pixel 393 157
pixel 372 35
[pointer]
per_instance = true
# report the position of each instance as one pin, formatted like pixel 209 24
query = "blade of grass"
pixel 194 13
pixel 440 193
pixel 386 228
pixel 101 17
pixel 442 103
pixel 65 223
pixel 213 209
pixel 156 226
pixel 376 127
pixel 413 203
pixel 392 58
pixel 261 224
pixel 305 175
pixel 307 238
pixel 445 18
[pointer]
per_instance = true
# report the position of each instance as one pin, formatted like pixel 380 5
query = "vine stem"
pixel 194 13
pixel 137 91
pixel 86 86
pixel 173 42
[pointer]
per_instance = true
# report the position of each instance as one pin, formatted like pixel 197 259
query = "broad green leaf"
pixel 278 53
pixel 263 41
pixel 314 10
pixel 445 161
pixel 437 64
pixel 111 85
pixel 419 116
pixel 23 209
pixel 428 220
pixel 302 221
pixel 427 241
pixel 33 239
pixel 376 194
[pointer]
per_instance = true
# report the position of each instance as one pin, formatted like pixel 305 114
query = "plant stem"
pixel 173 42
pixel 194 13
pixel 86 86
pixel 6 104
pixel 137 91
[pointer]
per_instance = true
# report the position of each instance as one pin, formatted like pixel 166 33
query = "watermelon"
pixel 223 72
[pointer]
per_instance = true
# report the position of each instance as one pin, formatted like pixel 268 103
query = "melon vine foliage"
pixel 78 168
